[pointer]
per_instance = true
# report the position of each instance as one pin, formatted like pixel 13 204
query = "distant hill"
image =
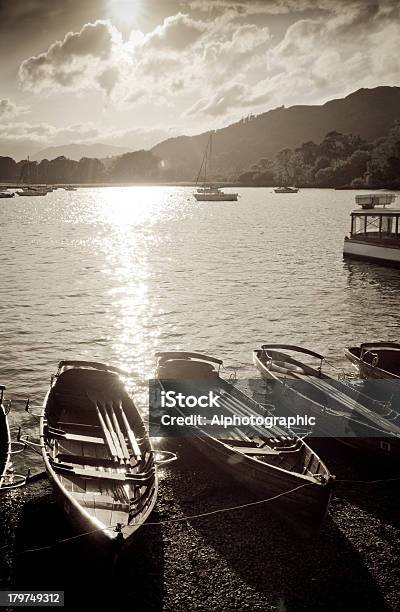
pixel 77 151
pixel 369 113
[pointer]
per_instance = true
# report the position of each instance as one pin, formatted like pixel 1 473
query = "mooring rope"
pixel 195 516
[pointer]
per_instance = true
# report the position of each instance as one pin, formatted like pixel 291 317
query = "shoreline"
pixel 9 185
pixel 220 561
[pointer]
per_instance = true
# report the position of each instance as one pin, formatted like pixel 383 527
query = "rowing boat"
pixel 97 453
pixel 341 410
pixel 272 462
pixel 5 443
pixel 376 359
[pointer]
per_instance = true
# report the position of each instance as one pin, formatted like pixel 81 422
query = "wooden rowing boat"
pixel 271 462
pixel 376 359
pixel 5 443
pixel 341 410
pixel 97 453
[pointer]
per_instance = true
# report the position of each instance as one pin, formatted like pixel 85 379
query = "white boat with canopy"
pixel 375 230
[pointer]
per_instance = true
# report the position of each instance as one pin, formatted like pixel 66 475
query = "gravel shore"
pixel 238 560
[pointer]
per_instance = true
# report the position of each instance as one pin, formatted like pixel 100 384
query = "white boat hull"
pixel 374 252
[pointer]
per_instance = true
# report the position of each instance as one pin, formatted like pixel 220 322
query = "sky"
pixel 133 72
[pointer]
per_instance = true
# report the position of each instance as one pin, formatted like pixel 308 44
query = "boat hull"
pixel 226 197
pixel 385 254
pixel 367 370
pixel 303 509
pixel 293 403
pixel 107 538
pixel 293 475
pixel 5 446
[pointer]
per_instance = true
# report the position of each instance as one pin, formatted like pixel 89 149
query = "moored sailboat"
pixel 208 192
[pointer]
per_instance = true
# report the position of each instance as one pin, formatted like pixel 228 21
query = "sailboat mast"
pixel 210 158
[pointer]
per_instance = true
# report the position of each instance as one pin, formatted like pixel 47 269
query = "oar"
pixel 107 436
pixel 113 435
pixel 119 434
pixel 130 434
pixel 106 433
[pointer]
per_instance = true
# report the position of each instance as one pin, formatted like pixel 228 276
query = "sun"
pixel 124 12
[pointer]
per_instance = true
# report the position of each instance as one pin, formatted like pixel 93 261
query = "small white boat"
pixel 286 189
pixel 209 192
pixel 70 188
pixel 375 230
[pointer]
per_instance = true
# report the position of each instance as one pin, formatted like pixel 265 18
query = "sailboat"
pixel 208 192
pixel 30 190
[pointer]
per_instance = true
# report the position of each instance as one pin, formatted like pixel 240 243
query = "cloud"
pixel 108 79
pixel 176 33
pixel 8 109
pixel 226 59
pixel 66 62
pixel 234 96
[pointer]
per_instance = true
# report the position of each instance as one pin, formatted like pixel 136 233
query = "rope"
pixel 368 481
pixel 197 516
pixel 165 521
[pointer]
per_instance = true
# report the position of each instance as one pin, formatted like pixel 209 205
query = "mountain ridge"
pixel 76 151
pixel 369 113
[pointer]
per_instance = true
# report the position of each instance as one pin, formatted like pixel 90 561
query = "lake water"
pixel 115 274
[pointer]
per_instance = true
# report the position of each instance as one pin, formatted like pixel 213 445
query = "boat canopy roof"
pixel 375 199
pixel 376 211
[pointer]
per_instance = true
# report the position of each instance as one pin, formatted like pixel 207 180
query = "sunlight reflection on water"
pixel 116 274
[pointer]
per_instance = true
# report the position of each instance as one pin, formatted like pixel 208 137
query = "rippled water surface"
pixel 115 274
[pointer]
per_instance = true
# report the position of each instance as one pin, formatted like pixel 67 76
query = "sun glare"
pixel 125 12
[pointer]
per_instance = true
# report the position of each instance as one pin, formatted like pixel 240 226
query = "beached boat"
pixel 207 192
pixel 97 453
pixel 5 442
pixel 375 230
pixel 376 359
pixel 8 478
pixel 342 411
pixel 269 461
pixel 286 189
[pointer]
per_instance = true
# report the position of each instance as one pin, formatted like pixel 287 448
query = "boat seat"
pixel 255 450
pixel 238 443
pixel 117 476
pixel 60 435
pixel 85 460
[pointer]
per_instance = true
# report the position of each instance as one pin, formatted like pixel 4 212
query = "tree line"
pixel 340 160
pixel 136 166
